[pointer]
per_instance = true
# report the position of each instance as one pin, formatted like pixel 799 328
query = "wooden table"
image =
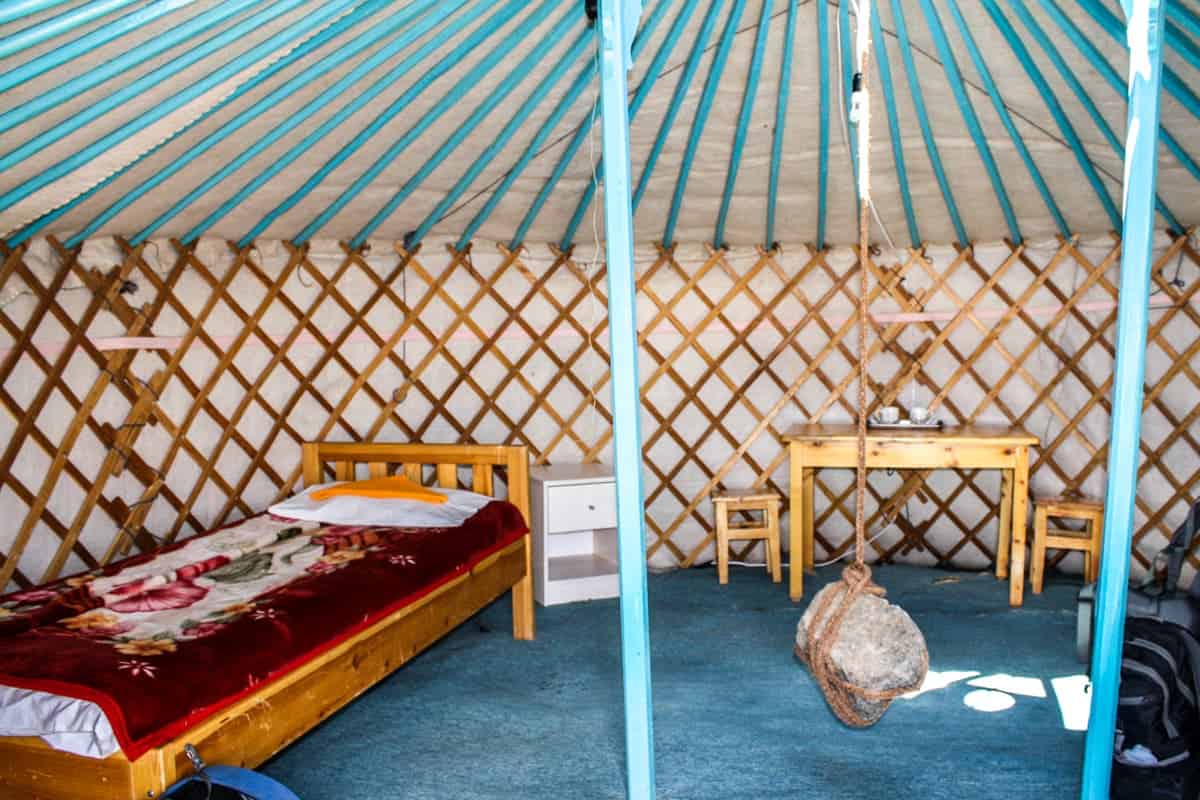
pixel 811 447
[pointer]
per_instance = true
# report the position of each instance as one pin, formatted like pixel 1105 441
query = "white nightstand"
pixel 574 524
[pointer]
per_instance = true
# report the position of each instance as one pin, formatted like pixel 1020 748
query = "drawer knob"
pixel 591 508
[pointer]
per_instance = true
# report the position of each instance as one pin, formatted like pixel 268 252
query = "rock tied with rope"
pixel 862 650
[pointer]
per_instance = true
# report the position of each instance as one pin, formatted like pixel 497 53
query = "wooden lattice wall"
pixel 152 392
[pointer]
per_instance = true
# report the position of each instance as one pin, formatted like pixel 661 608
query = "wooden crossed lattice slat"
pixel 488 344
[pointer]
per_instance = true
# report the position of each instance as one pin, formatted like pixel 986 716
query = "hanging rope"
pixel 856 580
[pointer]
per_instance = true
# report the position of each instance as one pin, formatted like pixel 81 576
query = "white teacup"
pixel 919 415
pixel 889 415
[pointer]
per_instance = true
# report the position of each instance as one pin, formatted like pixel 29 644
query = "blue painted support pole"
pixel 1145 36
pixel 626 405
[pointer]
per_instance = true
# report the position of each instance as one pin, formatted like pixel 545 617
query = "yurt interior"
pixel 816 376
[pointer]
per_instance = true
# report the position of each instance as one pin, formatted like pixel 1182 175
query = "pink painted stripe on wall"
pixel 50 349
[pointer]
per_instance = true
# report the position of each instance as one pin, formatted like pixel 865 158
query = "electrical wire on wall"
pixel 591 270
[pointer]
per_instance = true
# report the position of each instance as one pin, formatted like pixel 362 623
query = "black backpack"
pixel 1159 596
pixel 1157 747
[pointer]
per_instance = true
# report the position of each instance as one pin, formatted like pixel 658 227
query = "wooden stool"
pixel 748 500
pixel 1088 540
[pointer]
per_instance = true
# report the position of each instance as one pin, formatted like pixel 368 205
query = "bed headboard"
pixel 384 458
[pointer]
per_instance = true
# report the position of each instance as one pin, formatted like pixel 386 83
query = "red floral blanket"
pixel 163 640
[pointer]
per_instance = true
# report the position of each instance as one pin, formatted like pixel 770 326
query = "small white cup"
pixel 889 415
pixel 919 415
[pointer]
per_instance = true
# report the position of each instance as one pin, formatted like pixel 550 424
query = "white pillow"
pixel 348 510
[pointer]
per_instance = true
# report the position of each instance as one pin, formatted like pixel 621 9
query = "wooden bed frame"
pixel 250 731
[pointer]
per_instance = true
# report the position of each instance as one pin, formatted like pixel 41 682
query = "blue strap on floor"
pixel 248 782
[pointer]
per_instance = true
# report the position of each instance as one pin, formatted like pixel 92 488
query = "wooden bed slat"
pixel 481 479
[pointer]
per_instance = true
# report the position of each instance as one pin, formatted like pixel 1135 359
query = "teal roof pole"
pixel 889 92
pixel 320 103
pixel 443 65
pixel 626 405
pixel 1189 19
pixel 914 83
pixel 954 78
pixel 452 97
pixel 89 41
pixel 468 126
pixel 581 82
pixel 1055 108
pixel 56 26
pixel 315 70
pixel 309 45
pixel 681 90
pixel 985 75
pixel 227 70
pixel 823 147
pixel 15 9
pixel 130 60
pixel 715 71
pixel 501 139
pixel 1145 34
pixel 1101 65
pixel 1085 99
pixel 1179 41
pixel 781 110
pixel 739 138
pixel 643 91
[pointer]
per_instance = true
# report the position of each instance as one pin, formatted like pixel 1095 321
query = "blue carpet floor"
pixel 482 716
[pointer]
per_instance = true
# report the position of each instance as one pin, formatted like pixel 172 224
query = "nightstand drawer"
pixel 581 507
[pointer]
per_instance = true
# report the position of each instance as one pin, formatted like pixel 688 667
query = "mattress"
pixel 144 649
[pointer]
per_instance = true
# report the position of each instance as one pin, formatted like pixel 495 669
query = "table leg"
pixel 810 555
pixel 1004 532
pixel 1020 507
pixel 795 524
